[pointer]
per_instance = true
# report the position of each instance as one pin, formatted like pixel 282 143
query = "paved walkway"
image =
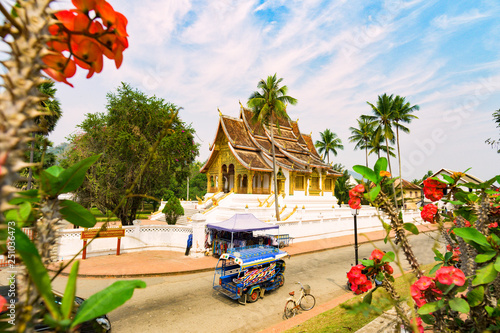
pixel 159 263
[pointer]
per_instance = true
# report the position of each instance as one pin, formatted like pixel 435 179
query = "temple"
pixel 241 160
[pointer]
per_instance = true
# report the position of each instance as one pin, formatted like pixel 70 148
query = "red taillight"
pixel 239 291
pixel 220 282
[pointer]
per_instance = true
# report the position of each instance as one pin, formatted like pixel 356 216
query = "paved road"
pixel 187 303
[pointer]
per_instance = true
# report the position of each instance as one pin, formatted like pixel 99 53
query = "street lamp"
pixel 355 213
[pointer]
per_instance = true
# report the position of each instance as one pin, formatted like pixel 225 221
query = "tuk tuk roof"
pixel 241 223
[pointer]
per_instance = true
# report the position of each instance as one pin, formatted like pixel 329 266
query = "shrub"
pixel 173 210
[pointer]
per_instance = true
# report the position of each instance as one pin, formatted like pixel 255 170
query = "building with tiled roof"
pixel 412 194
pixel 241 159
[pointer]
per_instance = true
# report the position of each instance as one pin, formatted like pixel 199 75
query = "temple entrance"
pixel 260 183
pixel 227 178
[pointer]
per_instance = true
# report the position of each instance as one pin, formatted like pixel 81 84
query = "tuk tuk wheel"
pixel 253 296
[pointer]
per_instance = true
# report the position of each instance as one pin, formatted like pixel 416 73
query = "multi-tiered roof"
pixel 250 143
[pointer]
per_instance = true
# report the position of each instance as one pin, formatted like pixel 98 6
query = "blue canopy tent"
pixel 241 223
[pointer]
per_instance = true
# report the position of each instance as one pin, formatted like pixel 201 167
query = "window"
pixel 299 183
pixel 315 183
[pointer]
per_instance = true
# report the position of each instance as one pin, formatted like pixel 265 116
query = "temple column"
pixel 307 180
pixel 235 181
pixel 250 182
pixel 220 182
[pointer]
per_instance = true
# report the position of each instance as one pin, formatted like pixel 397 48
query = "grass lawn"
pixel 341 320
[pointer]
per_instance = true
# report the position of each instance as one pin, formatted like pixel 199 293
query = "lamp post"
pixel 355 213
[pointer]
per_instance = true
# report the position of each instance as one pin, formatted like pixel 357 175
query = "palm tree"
pixel 329 142
pixel 46 122
pixel 402 114
pixel 376 146
pixel 383 115
pixel 362 135
pixel 269 105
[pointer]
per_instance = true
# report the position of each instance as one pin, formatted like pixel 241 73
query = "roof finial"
pixel 220 113
pixel 310 134
pixel 297 119
pixel 241 105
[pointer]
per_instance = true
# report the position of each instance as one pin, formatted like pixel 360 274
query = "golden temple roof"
pixel 250 143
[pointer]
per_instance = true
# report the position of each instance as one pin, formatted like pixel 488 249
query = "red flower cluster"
pixel 424 287
pixel 377 256
pixel 355 196
pixel 82 36
pixel 359 282
pixel 450 275
pixel 429 212
pixel 493 225
pixel 433 189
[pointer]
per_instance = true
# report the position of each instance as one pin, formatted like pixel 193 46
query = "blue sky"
pixel 334 56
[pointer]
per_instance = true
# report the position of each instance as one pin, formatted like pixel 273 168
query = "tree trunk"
pixel 390 170
pixel 275 174
pixel 400 175
pixel 30 174
pixel 366 153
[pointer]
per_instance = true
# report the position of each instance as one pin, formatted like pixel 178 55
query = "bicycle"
pixel 306 301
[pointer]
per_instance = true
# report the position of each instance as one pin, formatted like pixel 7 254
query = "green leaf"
pixel 497 178
pixel 485 275
pixel 374 192
pixel 456 203
pixel 106 300
pixel 367 262
pixel 448 179
pixel 37 270
pixel 55 170
pixel 438 254
pixel 470 234
pixel 476 296
pixel 411 228
pixel 73 177
pixel 366 172
pixel 368 297
pixel 435 268
pixel 21 214
pixel 448 256
pixel 459 305
pixel 69 293
pixel 49 183
pixel 497 264
pixel 77 214
pixel 380 165
pixel 428 319
pixel 428 308
pixel 480 258
pixel 388 257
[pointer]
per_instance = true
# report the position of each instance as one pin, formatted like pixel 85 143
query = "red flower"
pixel 355 203
pixel 355 196
pixel 424 283
pixel 450 275
pixel 429 212
pixel 59 67
pixel 433 189
pixel 388 268
pixel 493 225
pixel 377 255
pixel 359 281
pixel 417 295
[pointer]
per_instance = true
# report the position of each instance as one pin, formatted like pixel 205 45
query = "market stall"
pixel 237 231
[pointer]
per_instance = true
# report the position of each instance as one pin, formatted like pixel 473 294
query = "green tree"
pixel 329 142
pixel 342 187
pixel 362 135
pixel 383 114
pixel 269 105
pixel 125 135
pixel 376 146
pixel 172 210
pixel 46 123
pixel 197 183
pixel 402 114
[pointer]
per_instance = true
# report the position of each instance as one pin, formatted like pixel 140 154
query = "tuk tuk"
pixel 246 273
